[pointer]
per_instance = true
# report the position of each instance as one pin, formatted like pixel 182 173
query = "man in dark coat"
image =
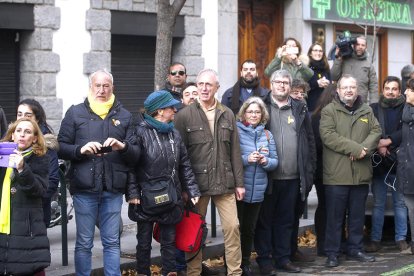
pixel 94 136
pixel 247 86
pixel 388 111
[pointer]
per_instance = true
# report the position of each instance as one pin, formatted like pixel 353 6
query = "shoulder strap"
pixel 267 135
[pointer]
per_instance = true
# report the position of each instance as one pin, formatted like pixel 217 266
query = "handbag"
pixel 159 195
pixel 190 232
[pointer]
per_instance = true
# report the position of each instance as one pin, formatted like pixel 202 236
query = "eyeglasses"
pixel 255 112
pixel 316 50
pixel 181 73
pixel 285 83
pixel 348 87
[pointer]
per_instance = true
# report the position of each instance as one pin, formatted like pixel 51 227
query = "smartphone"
pixel 292 50
pixel 104 150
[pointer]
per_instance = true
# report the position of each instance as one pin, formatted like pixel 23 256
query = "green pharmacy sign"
pixel 396 14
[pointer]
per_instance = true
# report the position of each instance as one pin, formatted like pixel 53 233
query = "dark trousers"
pixel 320 217
pixel 339 199
pixel 275 224
pixel 299 209
pixel 167 241
pixel 248 214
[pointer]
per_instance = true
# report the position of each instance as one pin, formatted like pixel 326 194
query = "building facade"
pixel 48 47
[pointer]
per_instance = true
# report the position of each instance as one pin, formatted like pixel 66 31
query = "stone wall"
pixel 38 64
pixel 98 22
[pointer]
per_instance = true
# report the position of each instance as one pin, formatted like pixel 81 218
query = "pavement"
pixel 214 246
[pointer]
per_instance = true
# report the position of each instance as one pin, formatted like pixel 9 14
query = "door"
pixel 260 32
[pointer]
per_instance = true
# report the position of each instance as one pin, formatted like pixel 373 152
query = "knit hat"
pixel 158 100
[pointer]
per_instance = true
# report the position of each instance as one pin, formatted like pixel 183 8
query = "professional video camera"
pixel 344 43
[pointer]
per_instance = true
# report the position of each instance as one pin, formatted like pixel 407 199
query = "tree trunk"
pixel 166 16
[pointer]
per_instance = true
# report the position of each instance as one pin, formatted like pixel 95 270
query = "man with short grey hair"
pixel 209 132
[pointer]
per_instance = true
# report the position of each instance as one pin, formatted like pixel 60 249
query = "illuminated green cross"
pixel 321 6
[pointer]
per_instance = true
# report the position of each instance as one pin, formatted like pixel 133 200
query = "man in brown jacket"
pixel 209 132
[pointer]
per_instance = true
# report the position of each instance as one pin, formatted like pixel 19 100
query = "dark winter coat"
pixel 216 160
pixel 405 155
pixel 315 91
pixel 91 173
pixel 306 158
pixel 26 250
pixel 391 125
pixel 157 160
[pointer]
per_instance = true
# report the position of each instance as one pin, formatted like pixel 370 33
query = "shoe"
pixel 208 270
pixel 301 257
pixel 373 246
pixel 402 245
pixel 289 267
pixel 361 257
pixel 246 271
pixel 332 261
pixel 267 270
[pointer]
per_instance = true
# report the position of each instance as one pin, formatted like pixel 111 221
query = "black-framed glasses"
pixel 181 73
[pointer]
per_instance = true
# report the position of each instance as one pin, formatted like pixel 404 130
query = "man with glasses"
pixel 209 132
pixel 350 134
pixel 176 78
pixel 248 85
pixel 290 125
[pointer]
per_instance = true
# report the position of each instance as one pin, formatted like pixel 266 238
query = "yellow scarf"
pixel 5 201
pixel 101 109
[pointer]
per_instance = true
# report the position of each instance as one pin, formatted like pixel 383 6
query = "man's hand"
pixel 240 191
pixel 384 143
pixel 114 143
pixel 134 201
pixel 91 148
pixel 383 151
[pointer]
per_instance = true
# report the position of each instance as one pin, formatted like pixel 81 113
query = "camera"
pixel 292 50
pixel 104 150
pixel 344 43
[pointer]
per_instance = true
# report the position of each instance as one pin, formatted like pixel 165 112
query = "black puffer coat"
pixel 26 250
pixel 156 161
pixel 91 173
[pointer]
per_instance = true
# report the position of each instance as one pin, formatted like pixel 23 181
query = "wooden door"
pixel 260 32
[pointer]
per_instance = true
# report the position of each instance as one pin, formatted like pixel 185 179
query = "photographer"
pixel 357 65
pixel 388 111
pixel 289 57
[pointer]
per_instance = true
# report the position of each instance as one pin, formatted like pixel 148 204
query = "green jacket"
pixel 216 161
pixel 344 133
pixel 297 72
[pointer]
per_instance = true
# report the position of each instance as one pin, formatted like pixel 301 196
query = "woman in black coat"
pixel 321 77
pixel 161 154
pixel 24 246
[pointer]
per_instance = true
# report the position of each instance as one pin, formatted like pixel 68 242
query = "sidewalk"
pixel 128 243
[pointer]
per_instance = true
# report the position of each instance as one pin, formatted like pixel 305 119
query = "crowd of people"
pixel 256 155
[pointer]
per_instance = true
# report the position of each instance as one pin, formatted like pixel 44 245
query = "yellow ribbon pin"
pixel 365 120
pixel 290 120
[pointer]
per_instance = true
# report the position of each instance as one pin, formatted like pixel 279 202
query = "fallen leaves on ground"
pixel 308 239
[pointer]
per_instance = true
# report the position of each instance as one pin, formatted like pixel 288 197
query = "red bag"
pixel 191 232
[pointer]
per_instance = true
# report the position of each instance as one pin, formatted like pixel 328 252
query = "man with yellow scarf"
pixel 94 136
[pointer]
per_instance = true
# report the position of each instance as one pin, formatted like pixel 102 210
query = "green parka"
pixel 345 133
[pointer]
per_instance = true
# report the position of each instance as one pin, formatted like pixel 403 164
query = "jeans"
pixel 90 207
pixel 167 241
pixel 379 190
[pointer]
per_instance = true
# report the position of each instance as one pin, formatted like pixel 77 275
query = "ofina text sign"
pixel 391 13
